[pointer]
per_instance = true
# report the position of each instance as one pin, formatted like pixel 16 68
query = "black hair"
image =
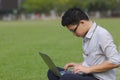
pixel 72 16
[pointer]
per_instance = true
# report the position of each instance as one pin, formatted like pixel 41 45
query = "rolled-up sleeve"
pixel 109 48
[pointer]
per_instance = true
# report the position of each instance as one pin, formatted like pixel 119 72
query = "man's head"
pixel 73 18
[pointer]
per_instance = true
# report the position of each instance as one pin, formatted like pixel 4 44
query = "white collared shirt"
pixel 98 46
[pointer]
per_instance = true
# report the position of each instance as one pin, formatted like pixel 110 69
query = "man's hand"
pixel 70 65
pixel 77 67
pixel 80 68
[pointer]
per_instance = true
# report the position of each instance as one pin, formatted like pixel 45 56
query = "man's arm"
pixel 94 69
pixel 103 67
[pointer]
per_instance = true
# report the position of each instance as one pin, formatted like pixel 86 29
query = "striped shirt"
pixel 98 46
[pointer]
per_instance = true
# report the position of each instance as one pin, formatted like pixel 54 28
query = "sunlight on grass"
pixel 20 42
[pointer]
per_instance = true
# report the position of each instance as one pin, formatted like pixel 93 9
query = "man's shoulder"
pixel 102 30
pixel 103 33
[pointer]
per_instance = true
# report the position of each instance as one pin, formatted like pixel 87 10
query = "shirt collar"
pixel 91 31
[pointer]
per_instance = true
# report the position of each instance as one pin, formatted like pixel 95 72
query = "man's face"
pixel 78 30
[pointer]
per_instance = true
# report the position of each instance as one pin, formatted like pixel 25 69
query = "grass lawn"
pixel 20 42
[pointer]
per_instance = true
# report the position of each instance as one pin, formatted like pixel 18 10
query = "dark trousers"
pixel 52 76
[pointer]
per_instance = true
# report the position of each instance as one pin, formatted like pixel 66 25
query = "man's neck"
pixel 88 26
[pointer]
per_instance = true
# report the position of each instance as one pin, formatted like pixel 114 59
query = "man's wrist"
pixel 90 70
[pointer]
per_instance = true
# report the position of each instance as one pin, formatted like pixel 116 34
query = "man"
pixel 100 54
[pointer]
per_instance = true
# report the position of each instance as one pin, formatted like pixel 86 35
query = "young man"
pixel 100 54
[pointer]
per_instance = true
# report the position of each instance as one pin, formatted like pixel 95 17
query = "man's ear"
pixel 82 21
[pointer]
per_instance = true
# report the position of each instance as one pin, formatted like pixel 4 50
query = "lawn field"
pixel 20 42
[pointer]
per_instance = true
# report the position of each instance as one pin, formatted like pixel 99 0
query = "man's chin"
pixel 78 35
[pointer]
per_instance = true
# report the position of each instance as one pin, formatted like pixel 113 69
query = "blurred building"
pixel 9 6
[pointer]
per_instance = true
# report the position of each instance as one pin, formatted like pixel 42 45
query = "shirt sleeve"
pixel 109 48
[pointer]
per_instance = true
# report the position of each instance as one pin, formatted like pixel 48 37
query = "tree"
pixel 61 5
pixel 102 5
pixel 38 5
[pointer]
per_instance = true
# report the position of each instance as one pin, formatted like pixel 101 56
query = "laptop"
pixel 52 66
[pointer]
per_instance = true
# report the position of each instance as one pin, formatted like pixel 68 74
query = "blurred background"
pixel 52 9
pixel 30 26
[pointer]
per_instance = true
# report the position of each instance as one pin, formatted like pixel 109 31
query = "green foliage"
pixel 61 5
pixel 38 5
pixel 102 5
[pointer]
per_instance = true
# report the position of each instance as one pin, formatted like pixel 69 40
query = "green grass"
pixel 20 42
